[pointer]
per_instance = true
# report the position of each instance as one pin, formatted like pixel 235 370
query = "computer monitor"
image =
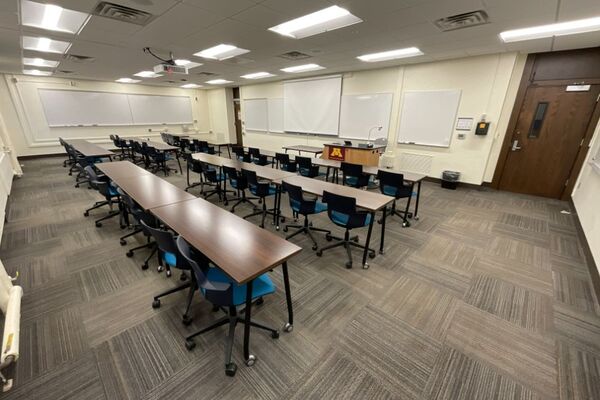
pixel 347 143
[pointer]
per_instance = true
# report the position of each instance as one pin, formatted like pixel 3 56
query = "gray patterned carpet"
pixel 486 297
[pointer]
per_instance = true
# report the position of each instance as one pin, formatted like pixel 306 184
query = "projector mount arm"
pixel 169 61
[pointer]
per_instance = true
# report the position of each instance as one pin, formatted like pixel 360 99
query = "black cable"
pixel 167 61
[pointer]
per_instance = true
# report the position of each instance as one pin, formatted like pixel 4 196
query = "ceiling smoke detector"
pixel 122 13
pixel 461 21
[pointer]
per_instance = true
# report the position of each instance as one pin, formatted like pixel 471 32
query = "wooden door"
pixel 238 122
pixel 548 135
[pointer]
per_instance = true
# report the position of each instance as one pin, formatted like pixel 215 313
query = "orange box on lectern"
pixel 337 153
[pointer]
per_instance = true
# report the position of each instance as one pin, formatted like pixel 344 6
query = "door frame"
pixel 527 81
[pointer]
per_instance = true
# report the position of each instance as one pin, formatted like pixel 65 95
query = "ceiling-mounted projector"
pixel 170 69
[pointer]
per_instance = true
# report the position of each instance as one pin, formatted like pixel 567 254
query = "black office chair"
pixel 223 292
pixel 102 185
pixel 239 152
pixel 169 256
pixel 303 206
pixel 284 162
pixel 254 152
pixel 213 178
pixel 119 144
pixel 139 215
pixel 352 175
pixel 205 148
pixel 392 184
pixel 157 160
pixel 184 144
pixel 306 167
pixel 70 160
pixel 239 182
pixel 342 212
pixel 262 191
pixel 192 166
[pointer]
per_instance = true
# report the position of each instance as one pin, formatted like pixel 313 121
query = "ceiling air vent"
pixel 460 21
pixel 294 55
pixel 205 73
pixel 122 13
pixel 78 59
pixel 64 71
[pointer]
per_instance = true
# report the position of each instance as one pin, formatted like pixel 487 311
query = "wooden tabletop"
pixel 408 176
pixel 220 143
pixel 161 146
pixel 150 191
pixel 357 146
pixel 264 172
pixel 371 201
pixel 302 147
pixel 121 170
pixel 89 149
pixel 240 248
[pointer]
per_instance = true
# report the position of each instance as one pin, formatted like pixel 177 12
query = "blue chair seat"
pixel 342 219
pixel 170 258
pixel 112 191
pixel 319 207
pixel 351 180
pixel 272 190
pixel 233 183
pixel 261 286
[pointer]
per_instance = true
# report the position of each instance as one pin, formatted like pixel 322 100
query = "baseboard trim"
pixel 483 186
pixel 594 274
pixel 34 156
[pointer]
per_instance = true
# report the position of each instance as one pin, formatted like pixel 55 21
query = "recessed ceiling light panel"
pixel 37 72
pixel 327 19
pixel 187 63
pixel 303 68
pixel 45 45
pixel 40 62
pixel 221 52
pixel 218 82
pixel 391 54
pixel 545 31
pixel 52 17
pixel 147 74
pixel 127 80
pixel 257 75
pixel 191 86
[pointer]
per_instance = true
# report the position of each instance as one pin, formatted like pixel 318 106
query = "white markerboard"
pixel 150 110
pixel 275 114
pixel 71 108
pixel 256 115
pixel 361 113
pixel 427 117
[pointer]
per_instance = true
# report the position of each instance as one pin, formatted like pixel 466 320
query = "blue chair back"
pixel 167 246
pixel 353 175
pixel 392 184
pixel 297 201
pixel 342 211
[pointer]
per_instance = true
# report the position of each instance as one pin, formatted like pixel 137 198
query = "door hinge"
pixel 582 140
pixel 567 183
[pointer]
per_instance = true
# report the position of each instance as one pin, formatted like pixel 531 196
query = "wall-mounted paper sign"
pixel 578 88
pixel 464 124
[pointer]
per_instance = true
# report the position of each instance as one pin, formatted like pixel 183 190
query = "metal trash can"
pixel 450 179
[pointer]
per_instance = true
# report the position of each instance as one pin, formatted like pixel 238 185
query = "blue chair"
pixel 284 162
pixel 352 175
pixel 139 215
pixel 224 293
pixel 262 191
pixel 342 212
pixel 238 151
pixel 303 206
pixel 192 166
pixel 238 182
pixel 102 184
pixel 169 256
pixel 392 184
pixel 306 168
pixel 213 178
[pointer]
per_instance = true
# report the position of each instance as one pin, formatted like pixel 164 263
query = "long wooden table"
pixel 118 170
pixel 304 148
pixel 89 149
pixel 159 146
pixel 370 201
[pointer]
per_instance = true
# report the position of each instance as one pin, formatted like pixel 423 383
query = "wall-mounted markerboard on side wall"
pixel 361 114
pixel 256 117
pixel 427 117
pixel 64 108
pixel 275 111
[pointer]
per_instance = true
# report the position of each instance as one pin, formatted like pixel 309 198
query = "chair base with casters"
pixel 348 242
pixel 307 229
pixel 264 211
pixel 99 204
pixel 261 285
pixel 404 214
pixel 150 245
pixel 191 285
pixel 241 199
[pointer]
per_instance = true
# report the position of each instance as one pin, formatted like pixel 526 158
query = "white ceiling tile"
pixel 577 9
pixel 591 39
pixel 260 17
pixel 225 8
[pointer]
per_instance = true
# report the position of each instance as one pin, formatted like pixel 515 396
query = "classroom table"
pixel 303 148
pixel 370 201
pixel 89 149
pixel 239 248
pixel 160 146
pixel 117 170
pixel 218 145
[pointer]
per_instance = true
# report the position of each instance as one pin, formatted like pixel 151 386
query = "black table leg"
pixel 289 326
pixel 178 162
pixel 364 260
pixel 416 215
pixel 327 175
pixel 383 229
pixel 247 318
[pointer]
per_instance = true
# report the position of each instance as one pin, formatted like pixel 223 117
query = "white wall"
pixel 220 110
pixel 586 197
pixel 488 83
pixel 28 130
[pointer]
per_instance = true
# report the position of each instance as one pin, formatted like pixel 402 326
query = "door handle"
pixel 515 145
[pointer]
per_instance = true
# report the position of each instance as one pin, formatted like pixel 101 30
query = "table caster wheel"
pixel 275 335
pixel 277 228
pixel 98 224
pixel 230 369
pixel 160 268
pixel 169 273
pixel 416 218
pixel 315 247
pixel 186 319
pixel 190 344
pixel 251 360
pixel 122 242
pixel 319 253
pixel 86 214
pixel 129 254
pixel 145 266
pixel 366 266
pixel 288 327
pixel 405 224
pixel 156 303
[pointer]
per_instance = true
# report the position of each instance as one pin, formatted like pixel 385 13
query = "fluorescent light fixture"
pixel 327 19
pixel 52 17
pixel 40 62
pixel 221 52
pixel 127 80
pixel 191 86
pixel 391 54
pixel 558 29
pixel 218 82
pixel 45 45
pixel 37 72
pixel 303 68
pixel 147 74
pixel 257 75
pixel 187 63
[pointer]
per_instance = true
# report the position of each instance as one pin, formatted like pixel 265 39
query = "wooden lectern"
pixel 355 154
